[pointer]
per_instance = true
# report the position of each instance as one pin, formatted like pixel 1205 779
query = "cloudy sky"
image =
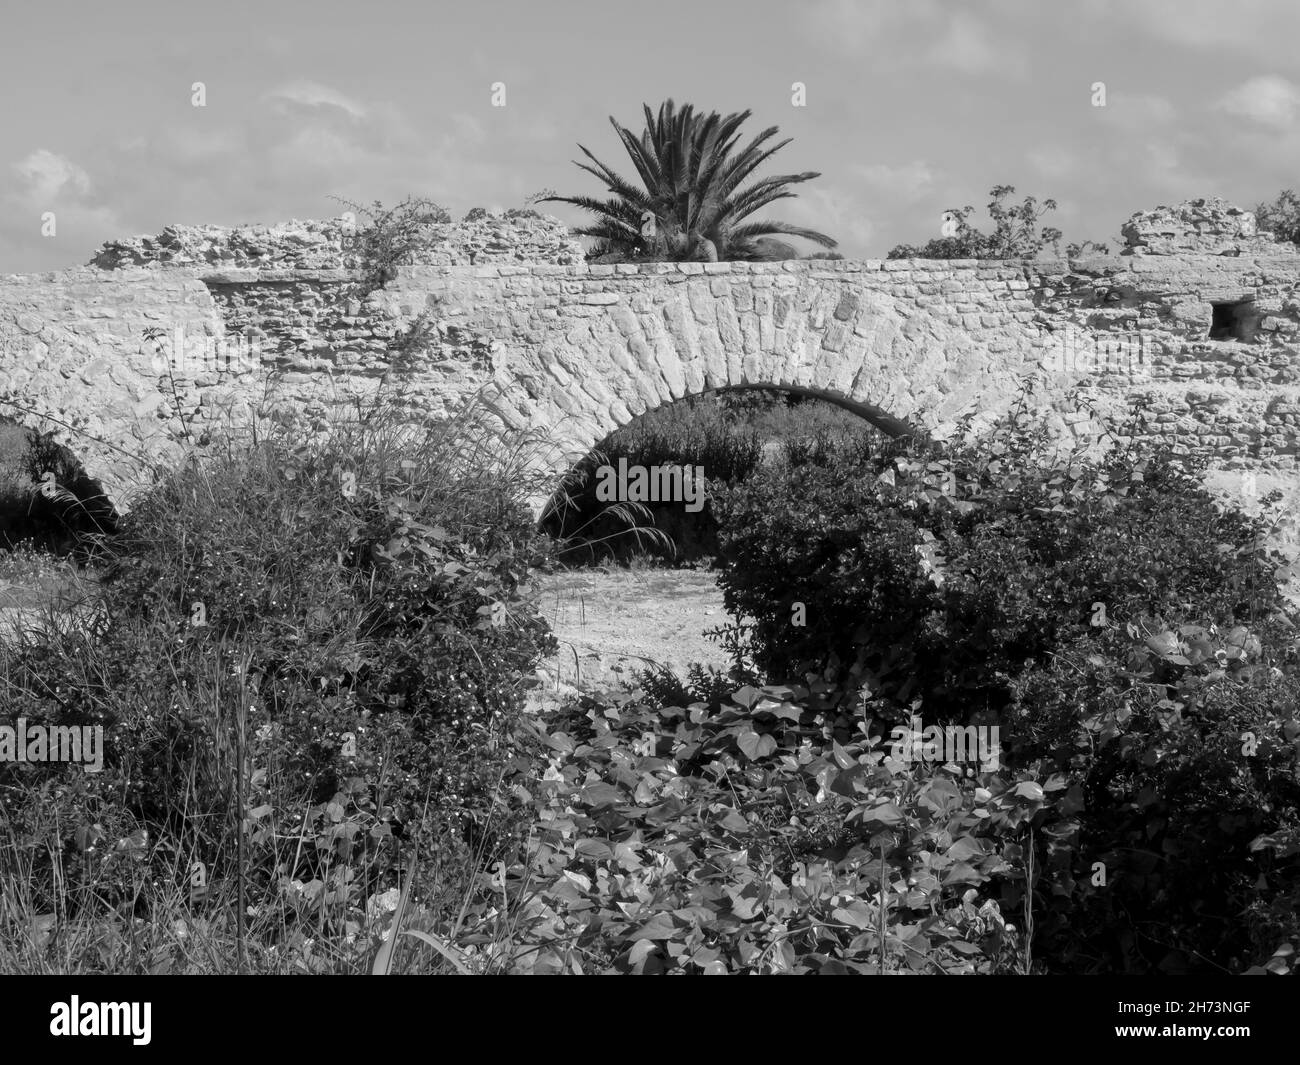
pixel 912 106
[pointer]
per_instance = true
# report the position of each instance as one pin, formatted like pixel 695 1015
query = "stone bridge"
pixel 1199 317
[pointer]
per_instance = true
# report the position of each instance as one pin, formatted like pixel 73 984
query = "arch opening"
pixel 641 490
pixel 868 412
pixel 47 499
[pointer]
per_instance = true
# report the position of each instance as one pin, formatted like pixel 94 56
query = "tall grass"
pixel 309 656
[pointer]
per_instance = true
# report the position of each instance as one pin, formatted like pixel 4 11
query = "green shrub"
pixel 1125 634
pixel 1177 753
pixel 938 572
pixel 663 687
pixel 1281 217
pixel 336 628
pixel 772 831
pixel 727 433
pixel 391 236
pixel 756 837
pixel 1015 234
pixel 695 432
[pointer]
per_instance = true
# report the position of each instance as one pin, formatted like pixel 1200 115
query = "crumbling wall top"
pixel 1195 227
pixel 512 238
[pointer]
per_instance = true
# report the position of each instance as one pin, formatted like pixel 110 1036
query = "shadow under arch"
pixel 554 511
pixel 46 495
pixel 868 412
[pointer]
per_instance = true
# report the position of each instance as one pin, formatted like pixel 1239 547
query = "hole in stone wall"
pixel 1232 321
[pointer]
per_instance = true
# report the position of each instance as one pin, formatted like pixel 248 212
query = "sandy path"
pixel 610 623
pixel 613 622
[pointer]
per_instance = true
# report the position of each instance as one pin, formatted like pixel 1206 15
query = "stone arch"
pixel 627 345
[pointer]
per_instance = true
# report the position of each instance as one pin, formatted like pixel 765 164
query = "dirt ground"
pixel 25 601
pixel 610 622
pixel 613 622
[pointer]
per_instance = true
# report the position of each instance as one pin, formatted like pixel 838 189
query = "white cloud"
pixel 1261 27
pixel 313 94
pixel 312 150
pixel 188 144
pixel 46 178
pixel 853 24
pixel 468 128
pixel 829 211
pixel 1268 100
pixel 968 46
pixel 909 182
pixel 47 181
pixel 898 33
pixel 1177 172
pixel 1138 112
pixel 1052 161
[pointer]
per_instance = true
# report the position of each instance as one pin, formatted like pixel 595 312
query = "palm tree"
pixel 691 206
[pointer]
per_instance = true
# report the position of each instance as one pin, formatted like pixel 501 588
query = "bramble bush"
pixel 1177 752
pixel 389 237
pixel 1015 233
pixel 772 831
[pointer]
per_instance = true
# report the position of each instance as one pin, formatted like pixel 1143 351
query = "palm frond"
pixel 763 229
pixel 690 165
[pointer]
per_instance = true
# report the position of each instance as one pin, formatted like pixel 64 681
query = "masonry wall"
pixel 581 349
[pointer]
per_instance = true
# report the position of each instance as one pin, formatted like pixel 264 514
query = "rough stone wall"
pixel 1231 394
pixel 1201 227
pixel 581 349
pixel 513 237
pixel 72 360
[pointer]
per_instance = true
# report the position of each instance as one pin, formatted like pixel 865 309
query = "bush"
pixel 768 831
pixel 728 433
pixel 390 237
pixel 1126 635
pixel 336 630
pixel 939 572
pixel 1015 234
pixel 1281 217
pixel 755 837
pixel 694 432
pixel 1175 757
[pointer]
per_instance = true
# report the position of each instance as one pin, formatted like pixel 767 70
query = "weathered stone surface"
pixel 1211 227
pixel 580 349
pixel 518 237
